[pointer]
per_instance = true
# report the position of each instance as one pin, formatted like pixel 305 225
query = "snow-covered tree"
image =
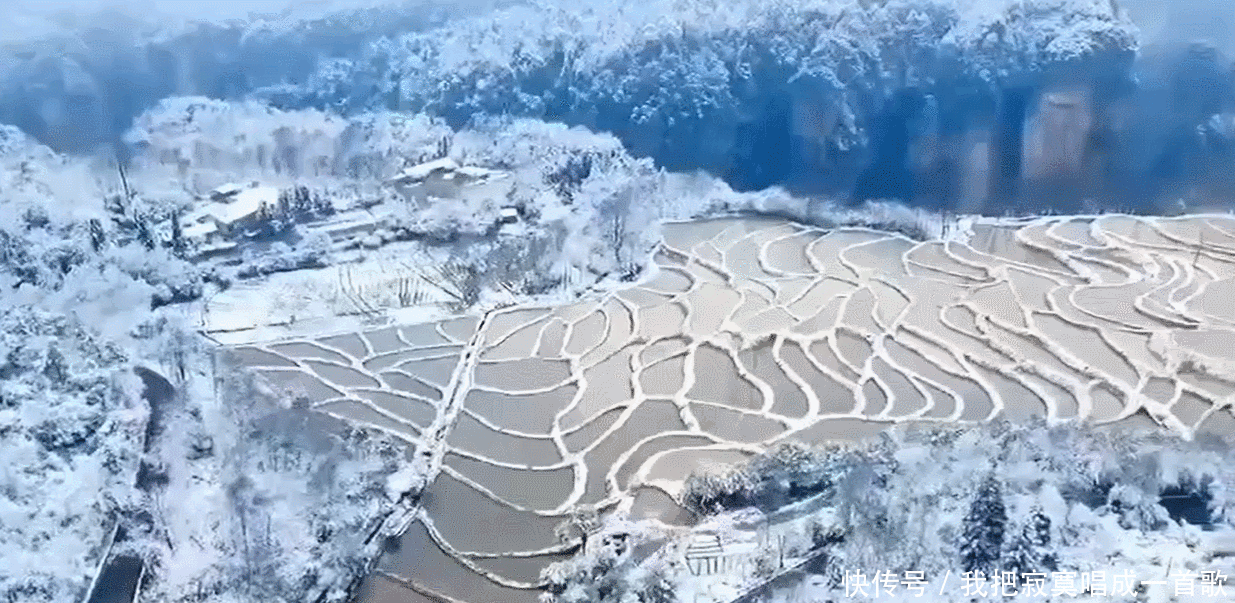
pixel 1027 549
pixel 984 528
pixel 81 295
pixel 657 586
pixel 1039 528
pixel 718 489
pixel 1137 509
pixel 674 60
pixel 71 432
pixel 874 536
pixel 787 473
pixel 603 574
pixel 195 135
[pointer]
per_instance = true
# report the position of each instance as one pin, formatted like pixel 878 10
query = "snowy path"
pixel 755 331
pixel 456 391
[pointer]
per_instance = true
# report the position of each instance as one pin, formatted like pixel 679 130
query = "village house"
pixel 225 192
pixel 200 229
pixel 233 209
pixel 508 215
pixel 446 179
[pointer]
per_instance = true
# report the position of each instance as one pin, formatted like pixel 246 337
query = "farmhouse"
pixel 444 179
pixel 230 214
pixel 225 192
pixel 508 215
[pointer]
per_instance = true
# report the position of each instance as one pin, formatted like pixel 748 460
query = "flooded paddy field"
pixel 753 331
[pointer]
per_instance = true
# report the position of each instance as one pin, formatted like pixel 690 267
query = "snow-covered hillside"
pixel 820 96
pixel 125 432
pixel 99 463
pixel 70 446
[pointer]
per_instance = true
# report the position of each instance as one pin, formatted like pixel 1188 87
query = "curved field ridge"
pixel 752 331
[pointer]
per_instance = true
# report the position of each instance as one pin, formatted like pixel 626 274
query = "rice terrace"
pixel 754 331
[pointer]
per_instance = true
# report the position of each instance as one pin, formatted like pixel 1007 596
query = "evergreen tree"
pixel 1029 548
pixel 657 588
pixel 265 219
pixel 1040 536
pixel 115 205
pixel 1020 555
pixel 284 197
pixel 274 220
pixel 301 205
pixel 55 368
pixel 144 231
pixel 322 207
pixel 983 529
pixel 284 215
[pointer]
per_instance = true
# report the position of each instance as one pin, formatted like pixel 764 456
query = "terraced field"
pixel 754 331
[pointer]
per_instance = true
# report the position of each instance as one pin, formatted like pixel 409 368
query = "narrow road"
pixel 452 399
pixel 434 438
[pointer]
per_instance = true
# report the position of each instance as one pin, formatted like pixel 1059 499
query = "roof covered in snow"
pixel 477 172
pixel 423 170
pixel 199 230
pixel 247 202
pixel 449 169
pixel 225 190
pixel 241 205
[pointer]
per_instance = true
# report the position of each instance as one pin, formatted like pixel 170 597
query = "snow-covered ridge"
pixel 659 76
pixel 596 33
pixel 682 61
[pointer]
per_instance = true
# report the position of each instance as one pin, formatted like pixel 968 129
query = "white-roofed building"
pixel 476 172
pixel 508 215
pixel 418 173
pixel 237 210
pixel 203 230
pixel 445 179
pixel 225 191
pixel 245 205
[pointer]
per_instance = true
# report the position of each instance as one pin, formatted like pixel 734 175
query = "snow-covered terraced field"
pixel 321 294
pixel 754 331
